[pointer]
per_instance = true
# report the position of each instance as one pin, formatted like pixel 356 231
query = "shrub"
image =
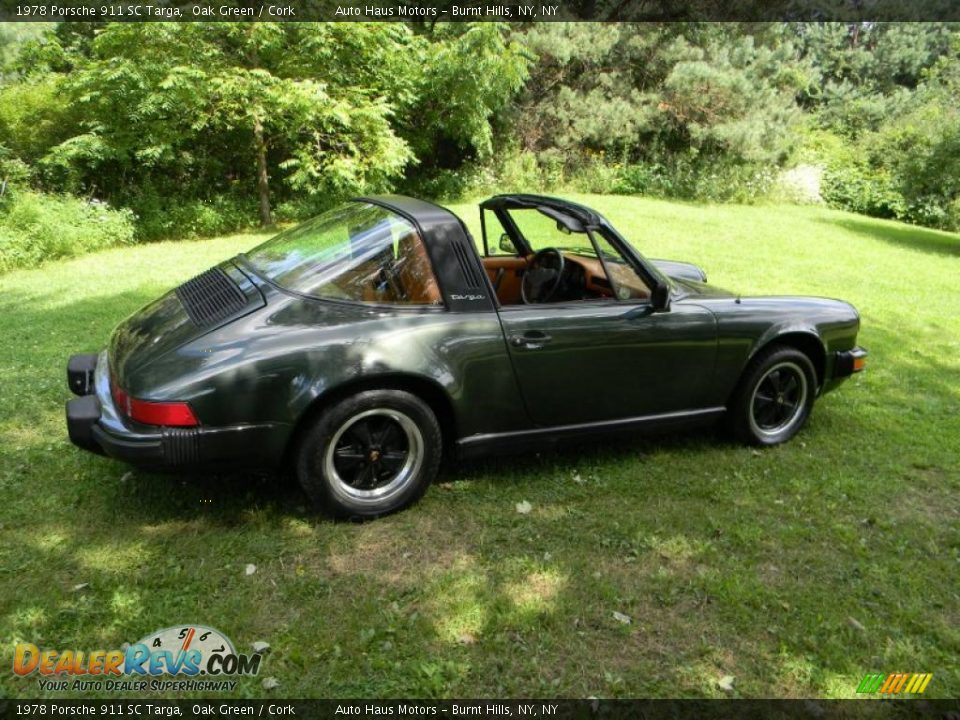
pixel 35 228
pixel 160 217
pixel 13 170
pixel 691 178
pixel 861 189
pixel 683 178
pixel 443 185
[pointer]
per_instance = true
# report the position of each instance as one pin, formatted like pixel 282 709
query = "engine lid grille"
pixel 210 297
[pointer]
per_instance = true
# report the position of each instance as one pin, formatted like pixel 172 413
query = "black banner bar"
pixel 479 10
pixel 461 709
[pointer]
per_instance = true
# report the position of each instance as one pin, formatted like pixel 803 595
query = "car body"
pixel 504 348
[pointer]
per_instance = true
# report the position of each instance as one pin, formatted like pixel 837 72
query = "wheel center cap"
pixel 374 455
pixel 779 399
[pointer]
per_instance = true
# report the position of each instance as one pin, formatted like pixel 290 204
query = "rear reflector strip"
pixel 169 414
pixel 173 414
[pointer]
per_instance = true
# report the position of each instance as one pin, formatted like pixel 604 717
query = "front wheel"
pixel 370 454
pixel 774 398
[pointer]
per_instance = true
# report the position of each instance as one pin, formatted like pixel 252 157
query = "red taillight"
pixel 175 414
pixel 120 398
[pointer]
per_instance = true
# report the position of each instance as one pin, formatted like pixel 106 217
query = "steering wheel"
pixel 543 275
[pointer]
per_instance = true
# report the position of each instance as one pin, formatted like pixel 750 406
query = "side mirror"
pixel 506 244
pixel 660 297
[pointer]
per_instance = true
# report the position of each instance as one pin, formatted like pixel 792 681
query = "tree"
pixel 174 102
pixel 644 92
pixel 865 72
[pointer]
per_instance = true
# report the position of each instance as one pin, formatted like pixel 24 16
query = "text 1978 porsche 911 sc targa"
pixel 360 346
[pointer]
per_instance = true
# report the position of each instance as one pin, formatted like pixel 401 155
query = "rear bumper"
pixel 94 424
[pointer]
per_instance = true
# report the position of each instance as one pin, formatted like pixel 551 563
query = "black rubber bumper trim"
pixel 82 415
pixel 183 448
pixel 139 451
pixel 80 370
pixel 843 367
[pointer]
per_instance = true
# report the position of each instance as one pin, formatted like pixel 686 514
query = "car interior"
pixel 565 267
pixel 402 273
pixel 583 277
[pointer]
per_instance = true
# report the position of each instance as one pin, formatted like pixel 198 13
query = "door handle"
pixel 530 340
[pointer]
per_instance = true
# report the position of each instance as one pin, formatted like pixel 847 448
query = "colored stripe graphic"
pixel 895 683
pixel 870 683
pixel 891 680
pixel 900 681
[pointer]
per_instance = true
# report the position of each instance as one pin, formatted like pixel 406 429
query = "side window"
pixel 409 280
pixel 624 280
pixel 358 252
pixel 606 276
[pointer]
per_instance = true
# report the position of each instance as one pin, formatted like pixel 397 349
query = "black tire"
pixel 774 397
pixel 342 458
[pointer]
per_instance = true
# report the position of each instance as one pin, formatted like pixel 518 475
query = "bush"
pixel 161 217
pixel 864 190
pixel 35 228
pixel 13 170
pixel 442 185
pixel 687 179
pixel 693 179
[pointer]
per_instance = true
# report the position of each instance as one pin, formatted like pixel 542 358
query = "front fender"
pixel 806 332
pixel 747 326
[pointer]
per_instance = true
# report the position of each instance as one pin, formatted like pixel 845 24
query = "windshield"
pixel 358 251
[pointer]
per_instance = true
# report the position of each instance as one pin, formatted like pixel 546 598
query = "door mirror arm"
pixel 660 297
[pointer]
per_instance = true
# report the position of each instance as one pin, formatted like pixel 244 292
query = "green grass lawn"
pixel 796 569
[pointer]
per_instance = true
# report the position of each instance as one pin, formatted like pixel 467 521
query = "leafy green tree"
pixel 471 72
pixel 865 72
pixel 183 100
pixel 206 126
pixel 922 147
pixel 279 110
pixel 646 92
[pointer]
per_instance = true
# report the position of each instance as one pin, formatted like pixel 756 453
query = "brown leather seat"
pixel 415 273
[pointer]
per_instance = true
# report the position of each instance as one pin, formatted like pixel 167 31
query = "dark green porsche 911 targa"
pixel 359 347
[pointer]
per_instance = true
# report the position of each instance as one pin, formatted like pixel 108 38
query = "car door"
pixel 584 362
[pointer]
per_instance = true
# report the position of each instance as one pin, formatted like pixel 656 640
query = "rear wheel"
pixel 774 398
pixel 370 454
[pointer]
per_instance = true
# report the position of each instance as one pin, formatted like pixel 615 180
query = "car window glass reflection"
pixel 359 252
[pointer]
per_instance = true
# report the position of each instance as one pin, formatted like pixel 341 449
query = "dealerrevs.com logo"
pixel 187 653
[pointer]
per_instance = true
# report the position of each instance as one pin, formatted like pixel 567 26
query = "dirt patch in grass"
pixel 396 554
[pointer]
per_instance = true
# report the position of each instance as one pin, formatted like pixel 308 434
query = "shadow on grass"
pixel 910 237
pixel 588 451
pixel 226 499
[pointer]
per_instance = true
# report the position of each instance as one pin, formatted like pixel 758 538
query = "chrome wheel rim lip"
pixel 794 417
pixel 401 478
